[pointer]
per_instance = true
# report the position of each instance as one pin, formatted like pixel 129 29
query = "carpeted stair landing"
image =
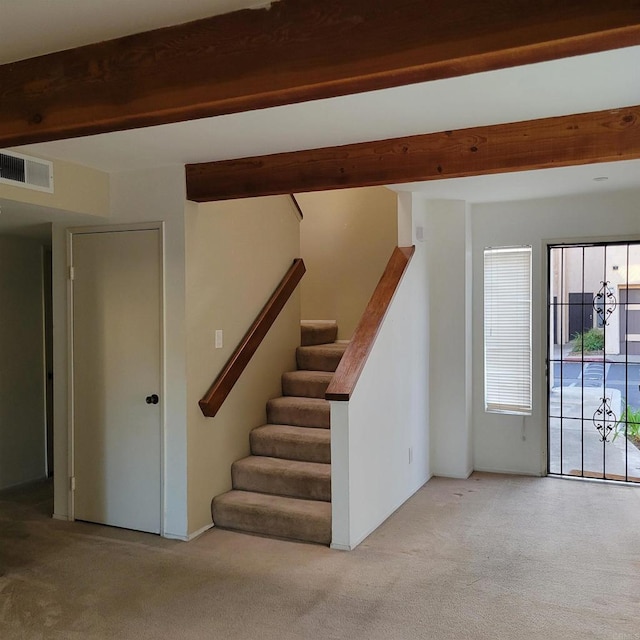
pixel 283 488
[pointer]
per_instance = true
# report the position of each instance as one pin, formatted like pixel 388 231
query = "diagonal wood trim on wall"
pixel 292 51
pixel 601 136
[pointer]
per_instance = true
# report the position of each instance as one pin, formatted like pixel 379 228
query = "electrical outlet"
pixel 218 338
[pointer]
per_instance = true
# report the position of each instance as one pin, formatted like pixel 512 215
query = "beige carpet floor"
pixel 496 557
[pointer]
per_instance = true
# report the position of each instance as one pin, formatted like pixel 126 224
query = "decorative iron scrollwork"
pixel 604 419
pixel 604 302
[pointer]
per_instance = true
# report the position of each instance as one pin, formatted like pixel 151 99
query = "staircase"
pixel 283 488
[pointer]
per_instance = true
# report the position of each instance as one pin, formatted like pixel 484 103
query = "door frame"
pixel 629 287
pixel 70 233
pixel 47 332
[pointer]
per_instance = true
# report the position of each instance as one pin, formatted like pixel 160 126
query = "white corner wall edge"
pixel 340 485
pixel 447 242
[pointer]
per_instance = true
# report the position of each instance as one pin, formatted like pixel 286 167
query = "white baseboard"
pixel 189 537
pixel 455 476
pixel 57 516
pixel 199 532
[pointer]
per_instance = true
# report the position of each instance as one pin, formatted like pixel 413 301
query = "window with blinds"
pixel 507 330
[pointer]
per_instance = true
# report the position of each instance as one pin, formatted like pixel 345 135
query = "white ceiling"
pixel 31 28
pixel 526 185
pixel 574 85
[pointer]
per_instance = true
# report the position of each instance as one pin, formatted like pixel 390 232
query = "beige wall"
pixel 346 238
pixel 22 412
pixel 77 189
pixel 237 253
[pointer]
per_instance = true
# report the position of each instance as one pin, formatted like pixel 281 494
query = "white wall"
pixel 446 230
pixel 137 196
pixel 22 405
pixel 517 444
pixel 372 435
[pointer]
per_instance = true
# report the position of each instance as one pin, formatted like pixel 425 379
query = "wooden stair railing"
pixel 220 389
pixel 355 357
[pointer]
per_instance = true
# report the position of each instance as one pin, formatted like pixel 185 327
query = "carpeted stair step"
pixel 307 520
pixel 322 357
pixel 293 478
pixel 291 443
pixel 301 412
pixel 306 384
pixel 318 332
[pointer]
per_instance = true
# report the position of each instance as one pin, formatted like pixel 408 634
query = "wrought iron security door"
pixel 594 361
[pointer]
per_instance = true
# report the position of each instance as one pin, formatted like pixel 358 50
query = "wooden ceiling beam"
pixel 601 136
pixel 292 51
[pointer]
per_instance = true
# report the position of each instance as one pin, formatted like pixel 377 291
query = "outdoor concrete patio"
pixel 575 443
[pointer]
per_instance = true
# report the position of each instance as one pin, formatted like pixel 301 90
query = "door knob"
pixel 152 399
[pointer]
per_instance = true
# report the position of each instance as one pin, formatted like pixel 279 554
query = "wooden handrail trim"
pixel 220 389
pixel 346 376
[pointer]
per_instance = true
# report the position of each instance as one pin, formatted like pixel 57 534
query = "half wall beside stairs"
pixel 379 435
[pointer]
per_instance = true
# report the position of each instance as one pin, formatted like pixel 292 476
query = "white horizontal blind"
pixel 507 330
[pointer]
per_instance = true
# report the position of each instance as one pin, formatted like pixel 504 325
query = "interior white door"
pixel 116 374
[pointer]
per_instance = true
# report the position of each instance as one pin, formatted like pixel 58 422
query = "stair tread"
pixel 321 357
pixel 284 503
pixel 318 323
pixel 279 476
pixel 266 464
pixel 294 432
pixel 308 444
pixel 336 345
pixel 309 374
pixel 300 411
pixel 306 384
pixel 291 401
pixel 318 331
pixel 282 516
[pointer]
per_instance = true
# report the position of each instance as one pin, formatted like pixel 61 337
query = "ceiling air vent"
pixel 24 171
